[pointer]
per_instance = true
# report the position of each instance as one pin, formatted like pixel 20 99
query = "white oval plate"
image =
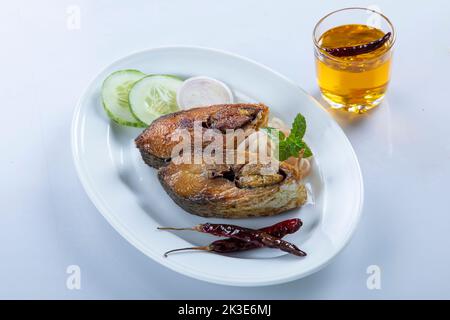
pixel 129 196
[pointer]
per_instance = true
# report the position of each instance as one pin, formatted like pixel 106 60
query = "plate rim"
pixel 89 189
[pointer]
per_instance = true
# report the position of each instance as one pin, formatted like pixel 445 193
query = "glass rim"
pixel 317 45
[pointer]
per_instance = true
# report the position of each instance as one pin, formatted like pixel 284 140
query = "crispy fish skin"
pixel 156 143
pixel 218 190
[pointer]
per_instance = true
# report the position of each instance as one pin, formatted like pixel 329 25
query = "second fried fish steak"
pixel 232 191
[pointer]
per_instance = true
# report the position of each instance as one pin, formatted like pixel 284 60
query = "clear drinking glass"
pixel 354 83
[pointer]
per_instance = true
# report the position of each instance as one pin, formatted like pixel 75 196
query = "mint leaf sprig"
pixel 290 146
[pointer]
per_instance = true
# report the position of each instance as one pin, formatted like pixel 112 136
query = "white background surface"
pixel 47 222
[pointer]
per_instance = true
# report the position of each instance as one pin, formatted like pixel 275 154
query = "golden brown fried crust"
pixel 195 189
pixel 219 190
pixel 156 143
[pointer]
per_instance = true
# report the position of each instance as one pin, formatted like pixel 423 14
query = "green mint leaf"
pixel 284 151
pixel 301 145
pixel 299 126
pixel 278 138
pixel 290 146
pixel 273 133
pixel 307 153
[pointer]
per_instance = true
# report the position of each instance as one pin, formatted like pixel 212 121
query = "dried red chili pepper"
pixel 360 49
pixel 255 237
pixel 229 245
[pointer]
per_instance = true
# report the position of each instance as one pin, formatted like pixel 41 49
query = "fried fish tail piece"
pixel 232 191
pixel 156 142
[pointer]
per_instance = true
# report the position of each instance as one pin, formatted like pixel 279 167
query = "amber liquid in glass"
pixel 355 83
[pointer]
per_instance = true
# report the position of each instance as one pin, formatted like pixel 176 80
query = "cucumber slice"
pixel 115 91
pixel 154 96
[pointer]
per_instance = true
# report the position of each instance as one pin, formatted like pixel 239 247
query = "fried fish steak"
pixel 155 143
pixel 233 191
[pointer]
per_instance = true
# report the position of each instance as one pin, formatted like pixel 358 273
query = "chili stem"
pixel 170 228
pixel 203 248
